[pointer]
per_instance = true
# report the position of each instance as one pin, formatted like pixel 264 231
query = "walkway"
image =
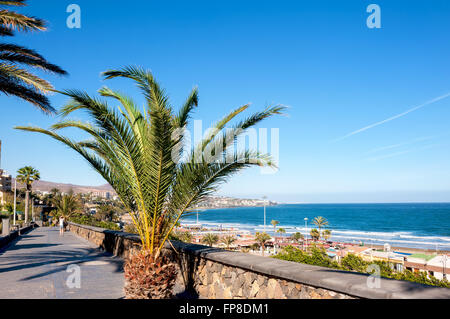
pixel 42 264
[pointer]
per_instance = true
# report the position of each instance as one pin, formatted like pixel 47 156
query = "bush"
pixel 318 256
pixel 186 237
pixel 354 263
pixel 130 228
pixel 91 221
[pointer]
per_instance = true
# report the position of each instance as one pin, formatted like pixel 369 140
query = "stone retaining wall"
pixel 206 272
pixel 5 240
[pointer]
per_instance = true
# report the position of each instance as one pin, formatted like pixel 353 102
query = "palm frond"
pixel 181 120
pixel 15 80
pixel 10 86
pixel 21 22
pixel 26 77
pixel 17 3
pixel 6 32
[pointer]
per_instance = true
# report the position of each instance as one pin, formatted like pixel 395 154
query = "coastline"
pixel 417 227
pixel 229 207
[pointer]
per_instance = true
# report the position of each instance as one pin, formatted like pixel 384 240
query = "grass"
pixel 422 256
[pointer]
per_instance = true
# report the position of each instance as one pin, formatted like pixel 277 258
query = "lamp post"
pixel 444 264
pixel 264 198
pixel 306 235
pixel 15 196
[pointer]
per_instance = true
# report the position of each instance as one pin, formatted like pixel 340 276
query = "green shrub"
pixel 317 257
pixel 354 263
pixel 91 221
pixel 130 228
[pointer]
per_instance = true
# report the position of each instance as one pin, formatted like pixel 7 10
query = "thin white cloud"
pixel 389 147
pixel 404 152
pixel 439 98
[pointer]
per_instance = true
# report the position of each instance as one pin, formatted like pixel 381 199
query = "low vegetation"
pixel 92 221
pixel 318 257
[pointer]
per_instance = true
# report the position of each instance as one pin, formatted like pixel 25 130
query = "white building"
pixel 5 184
pixel 439 267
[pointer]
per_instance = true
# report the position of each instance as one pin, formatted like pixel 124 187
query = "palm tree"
pixel 326 234
pixel 15 80
pixel 184 236
pixel 274 224
pixel 187 237
pixel 66 205
pixel 297 237
pixel 27 175
pixel 262 239
pixel 106 212
pixel 228 240
pixel 210 239
pixel 315 234
pixel 141 154
pixel 320 222
pixel 281 231
pixel 47 199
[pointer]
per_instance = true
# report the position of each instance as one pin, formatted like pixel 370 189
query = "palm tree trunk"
pixel 27 199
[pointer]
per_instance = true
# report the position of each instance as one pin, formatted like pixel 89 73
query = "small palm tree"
pixel 15 80
pixel 228 240
pixel 262 239
pixel 106 212
pixel 281 231
pixel 66 205
pixel 8 207
pixel 320 222
pixel 27 175
pixel 326 234
pixel 183 236
pixel 297 237
pixel 210 239
pixel 274 224
pixel 315 234
pixel 187 237
pixel 142 155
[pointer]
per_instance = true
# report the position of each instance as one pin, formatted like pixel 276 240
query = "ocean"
pixel 421 225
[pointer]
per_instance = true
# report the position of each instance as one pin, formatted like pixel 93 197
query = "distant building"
pixel 438 266
pixel 5 184
pixel 369 254
pixel 106 195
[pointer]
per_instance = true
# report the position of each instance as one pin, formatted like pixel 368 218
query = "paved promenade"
pixel 42 264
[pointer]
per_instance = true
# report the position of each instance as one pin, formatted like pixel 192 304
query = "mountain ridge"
pixel 46 186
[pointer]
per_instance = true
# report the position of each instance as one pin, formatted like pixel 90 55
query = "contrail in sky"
pixel 404 152
pixel 394 117
pixel 414 141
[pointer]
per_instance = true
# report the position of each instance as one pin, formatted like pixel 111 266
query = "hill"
pixel 45 186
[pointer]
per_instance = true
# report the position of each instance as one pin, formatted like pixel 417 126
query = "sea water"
pixel 421 225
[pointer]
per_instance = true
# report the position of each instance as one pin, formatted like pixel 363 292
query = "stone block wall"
pixel 5 240
pixel 218 281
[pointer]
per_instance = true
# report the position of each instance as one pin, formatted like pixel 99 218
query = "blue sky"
pixel 318 57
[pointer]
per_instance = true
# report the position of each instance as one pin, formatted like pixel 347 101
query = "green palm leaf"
pixel 15 78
